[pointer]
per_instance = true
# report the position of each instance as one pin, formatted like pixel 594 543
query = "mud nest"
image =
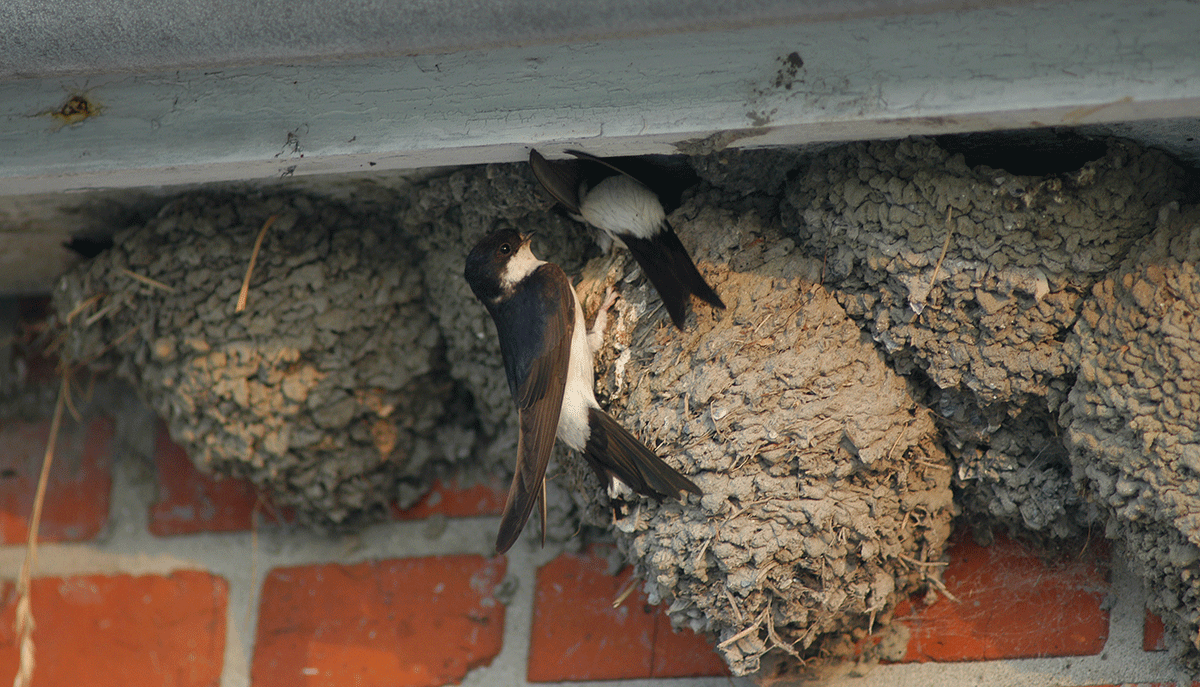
pixel 825 485
pixel 326 390
pixel 1133 418
pixel 971 278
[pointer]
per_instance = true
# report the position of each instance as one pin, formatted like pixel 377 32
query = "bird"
pixel 547 354
pixel 605 195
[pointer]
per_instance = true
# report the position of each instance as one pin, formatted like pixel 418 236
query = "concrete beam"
pixel 910 70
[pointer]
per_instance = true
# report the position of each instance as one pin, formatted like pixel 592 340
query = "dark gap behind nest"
pixel 89 246
pixel 1026 152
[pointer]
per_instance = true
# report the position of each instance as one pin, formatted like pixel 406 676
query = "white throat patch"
pixel 621 205
pixel 519 266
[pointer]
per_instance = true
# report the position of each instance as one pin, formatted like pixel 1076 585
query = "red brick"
pixel 414 622
pixel 1154 633
pixel 77 493
pixel 683 653
pixel 578 635
pixel 1012 604
pixel 122 631
pixel 190 501
pixel 449 499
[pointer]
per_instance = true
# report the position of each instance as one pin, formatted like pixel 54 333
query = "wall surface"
pixel 164 576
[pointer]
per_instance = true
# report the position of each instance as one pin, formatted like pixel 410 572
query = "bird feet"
pixel 596 333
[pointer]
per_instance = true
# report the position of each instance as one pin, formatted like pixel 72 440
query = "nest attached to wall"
pixel 826 492
pixel 326 390
pixel 1133 417
pixel 972 279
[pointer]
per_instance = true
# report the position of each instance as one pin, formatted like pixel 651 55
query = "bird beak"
pixel 526 239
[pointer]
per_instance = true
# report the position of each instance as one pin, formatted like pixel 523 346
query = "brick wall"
pixel 156 579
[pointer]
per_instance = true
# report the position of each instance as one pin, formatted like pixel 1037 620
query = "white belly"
pixel 578 396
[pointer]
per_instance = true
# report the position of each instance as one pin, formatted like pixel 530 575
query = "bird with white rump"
pixel 606 195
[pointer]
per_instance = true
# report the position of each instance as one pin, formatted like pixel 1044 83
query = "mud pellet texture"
pixel 825 487
pixel 327 390
pixel 972 277
pixel 1133 418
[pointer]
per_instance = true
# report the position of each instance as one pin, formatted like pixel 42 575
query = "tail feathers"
pixel 685 269
pixel 522 496
pixel 613 451
pixel 667 263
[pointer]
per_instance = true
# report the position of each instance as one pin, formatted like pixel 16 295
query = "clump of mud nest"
pixel 971 278
pixel 1133 417
pixel 825 488
pixel 325 390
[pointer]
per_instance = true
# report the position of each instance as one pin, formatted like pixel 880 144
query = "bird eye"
pixel 505 248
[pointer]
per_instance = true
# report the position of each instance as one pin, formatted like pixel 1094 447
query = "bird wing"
pixel 588 157
pixel 539 321
pixel 674 275
pixel 560 177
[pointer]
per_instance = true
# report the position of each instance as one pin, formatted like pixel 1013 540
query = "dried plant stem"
pixel 941 587
pixel 241 304
pixel 23 623
pixel 945 246
pixel 747 631
pixel 626 591
pixel 148 281
pixel 932 564
pixel 732 604
pixel 83 305
pixel 107 347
